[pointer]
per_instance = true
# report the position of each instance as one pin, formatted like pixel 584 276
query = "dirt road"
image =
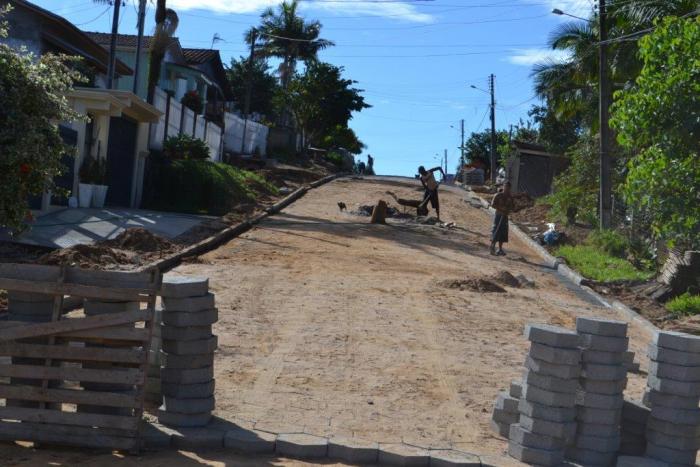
pixel 338 327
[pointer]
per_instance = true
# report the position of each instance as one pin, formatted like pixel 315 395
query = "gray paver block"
pixel 196 347
pixel 545 457
pixel 506 403
pixel 544 412
pixel 403 454
pixel 677 341
pixel 598 429
pixel 669 386
pixel 601 327
pixel 603 372
pixel 177 286
pixel 201 318
pixel 250 441
pixel 599 401
pixel 453 458
pixel 590 458
pixel 598 443
pixel 604 343
pixel 183 419
pixel 501 428
pixel 604 387
pixel 654 398
pixel 186 361
pixel 549 383
pixel 189 304
pixel 504 417
pixel 554 336
pixel 666 370
pixel 638 461
pixel 556 355
pixel 563 430
pixel 188 333
pixel 672 442
pixel 529 439
pixel 354 451
pixel 195 406
pixel 155 436
pixel 672 456
pixel 186 376
pixel 602 416
pixel 685 417
pixel 198 438
pixel 188 391
pixel 633 428
pixel 632 449
pixel 673 429
pixel 98 307
pixel 635 411
pixel 549 398
pixel 301 446
pixel 551 369
pixel 516 388
pixel 602 357
pixel 675 357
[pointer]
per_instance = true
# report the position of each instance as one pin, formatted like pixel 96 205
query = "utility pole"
pixel 249 85
pixel 139 44
pixel 446 171
pixel 113 45
pixel 604 98
pixel 492 90
pixel 461 147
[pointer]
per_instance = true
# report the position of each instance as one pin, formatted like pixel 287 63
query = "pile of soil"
pixel 140 240
pixel 507 279
pixel 365 210
pixel 475 285
pixel 88 257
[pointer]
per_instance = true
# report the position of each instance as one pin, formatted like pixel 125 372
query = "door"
pixel 121 147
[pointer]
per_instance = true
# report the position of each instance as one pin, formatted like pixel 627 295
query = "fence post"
pixel 167 117
pixel 182 118
pixel 194 125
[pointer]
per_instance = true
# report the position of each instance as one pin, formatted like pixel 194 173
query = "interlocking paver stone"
pixel 553 414
pixel 529 439
pixel 187 391
pixel 675 357
pixel 654 398
pixel 452 458
pixel 677 341
pixel 301 446
pixel 599 401
pixel 354 451
pixel 603 387
pixel 555 355
pixel 687 374
pixel 189 304
pixel 670 386
pixel 549 398
pixel 604 343
pixel 536 456
pixel 403 454
pixel 549 383
pixel 563 430
pixel 551 369
pixel 551 335
pixel 200 318
pixel 601 326
pixel 196 347
pixel 176 286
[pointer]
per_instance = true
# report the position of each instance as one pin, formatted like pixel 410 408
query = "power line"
pixel 95 18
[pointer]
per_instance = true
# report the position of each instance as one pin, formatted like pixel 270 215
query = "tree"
pixel 659 116
pixel 31 102
pixel 264 85
pixel 557 135
pixel 478 146
pixel 320 100
pixel 287 36
pixel 166 25
pixel 343 137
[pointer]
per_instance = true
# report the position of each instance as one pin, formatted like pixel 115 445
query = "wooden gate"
pixel 69 353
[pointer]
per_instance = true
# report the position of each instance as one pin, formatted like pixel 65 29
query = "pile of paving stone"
pixel 187 352
pixel 633 440
pixel 673 394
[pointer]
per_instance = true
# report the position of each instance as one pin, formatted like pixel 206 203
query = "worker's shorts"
pixel 432 195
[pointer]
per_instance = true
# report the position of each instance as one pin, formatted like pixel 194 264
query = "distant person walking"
pixel 428 181
pixel 504 204
pixel 370 164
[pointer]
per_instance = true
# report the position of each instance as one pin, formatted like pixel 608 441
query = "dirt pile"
pixel 474 285
pixel 140 240
pixel 87 256
pixel 365 210
pixel 507 279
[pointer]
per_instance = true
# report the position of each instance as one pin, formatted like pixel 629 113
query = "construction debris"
pixel 379 213
pixel 474 285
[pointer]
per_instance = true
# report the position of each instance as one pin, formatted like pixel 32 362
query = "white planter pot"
pixel 84 195
pixel 99 193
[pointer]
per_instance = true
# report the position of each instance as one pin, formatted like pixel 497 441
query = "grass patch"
pixel 598 265
pixel 684 305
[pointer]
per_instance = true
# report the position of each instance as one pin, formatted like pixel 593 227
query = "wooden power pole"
pixel 139 44
pixel 605 207
pixel 113 45
pixel 249 86
pixel 492 90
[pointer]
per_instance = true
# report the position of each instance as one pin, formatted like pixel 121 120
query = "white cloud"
pixel 394 10
pixel 528 57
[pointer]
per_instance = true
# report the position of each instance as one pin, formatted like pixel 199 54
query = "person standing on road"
pixel 370 163
pixel 428 181
pixel 504 204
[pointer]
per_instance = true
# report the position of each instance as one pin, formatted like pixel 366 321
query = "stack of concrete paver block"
pixel 547 413
pixel 600 396
pixel 187 352
pixel 673 394
pixel 505 409
pixel 633 428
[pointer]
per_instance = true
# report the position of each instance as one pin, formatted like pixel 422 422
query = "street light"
pixel 491 92
pixel 557 11
pixel 478 89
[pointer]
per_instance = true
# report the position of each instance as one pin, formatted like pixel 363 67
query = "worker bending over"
pixel 431 187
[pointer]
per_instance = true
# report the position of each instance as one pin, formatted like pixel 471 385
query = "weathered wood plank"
pixel 64 352
pixel 108 335
pixel 86 291
pixel 68 396
pixel 59 327
pixel 69 418
pixel 62 435
pixel 32 272
pixel 122 376
pixel 111 279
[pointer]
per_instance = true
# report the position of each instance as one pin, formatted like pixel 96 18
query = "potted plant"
pixel 85 185
pixel 193 101
pixel 99 188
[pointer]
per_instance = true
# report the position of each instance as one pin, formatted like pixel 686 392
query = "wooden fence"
pixel 63 373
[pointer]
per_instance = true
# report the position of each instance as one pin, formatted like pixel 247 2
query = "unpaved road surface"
pixel 336 327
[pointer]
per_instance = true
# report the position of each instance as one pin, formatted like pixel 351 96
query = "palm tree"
pixel 166 25
pixel 287 36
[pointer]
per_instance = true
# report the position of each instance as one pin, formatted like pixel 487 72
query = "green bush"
pixel 684 305
pixel 598 265
pixel 609 241
pixel 334 158
pixel 185 147
pixel 202 187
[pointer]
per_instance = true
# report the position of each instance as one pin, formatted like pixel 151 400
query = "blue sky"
pixel 415 59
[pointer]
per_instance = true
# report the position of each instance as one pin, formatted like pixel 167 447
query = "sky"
pixel 415 60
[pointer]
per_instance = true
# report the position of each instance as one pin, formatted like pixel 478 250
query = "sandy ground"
pixel 337 327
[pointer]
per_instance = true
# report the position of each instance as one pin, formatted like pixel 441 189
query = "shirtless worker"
pixel 503 204
pixel 431 187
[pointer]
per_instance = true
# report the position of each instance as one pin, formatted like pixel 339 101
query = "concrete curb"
pixel 234 231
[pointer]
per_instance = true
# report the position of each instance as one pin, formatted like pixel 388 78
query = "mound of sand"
pixel 506 278
pixel 86 256
pixel 475 285
pixel 140 240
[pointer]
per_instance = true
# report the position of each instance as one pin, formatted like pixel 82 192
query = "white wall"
pixel 256 135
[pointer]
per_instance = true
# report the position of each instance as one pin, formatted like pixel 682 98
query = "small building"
pixel 531 169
